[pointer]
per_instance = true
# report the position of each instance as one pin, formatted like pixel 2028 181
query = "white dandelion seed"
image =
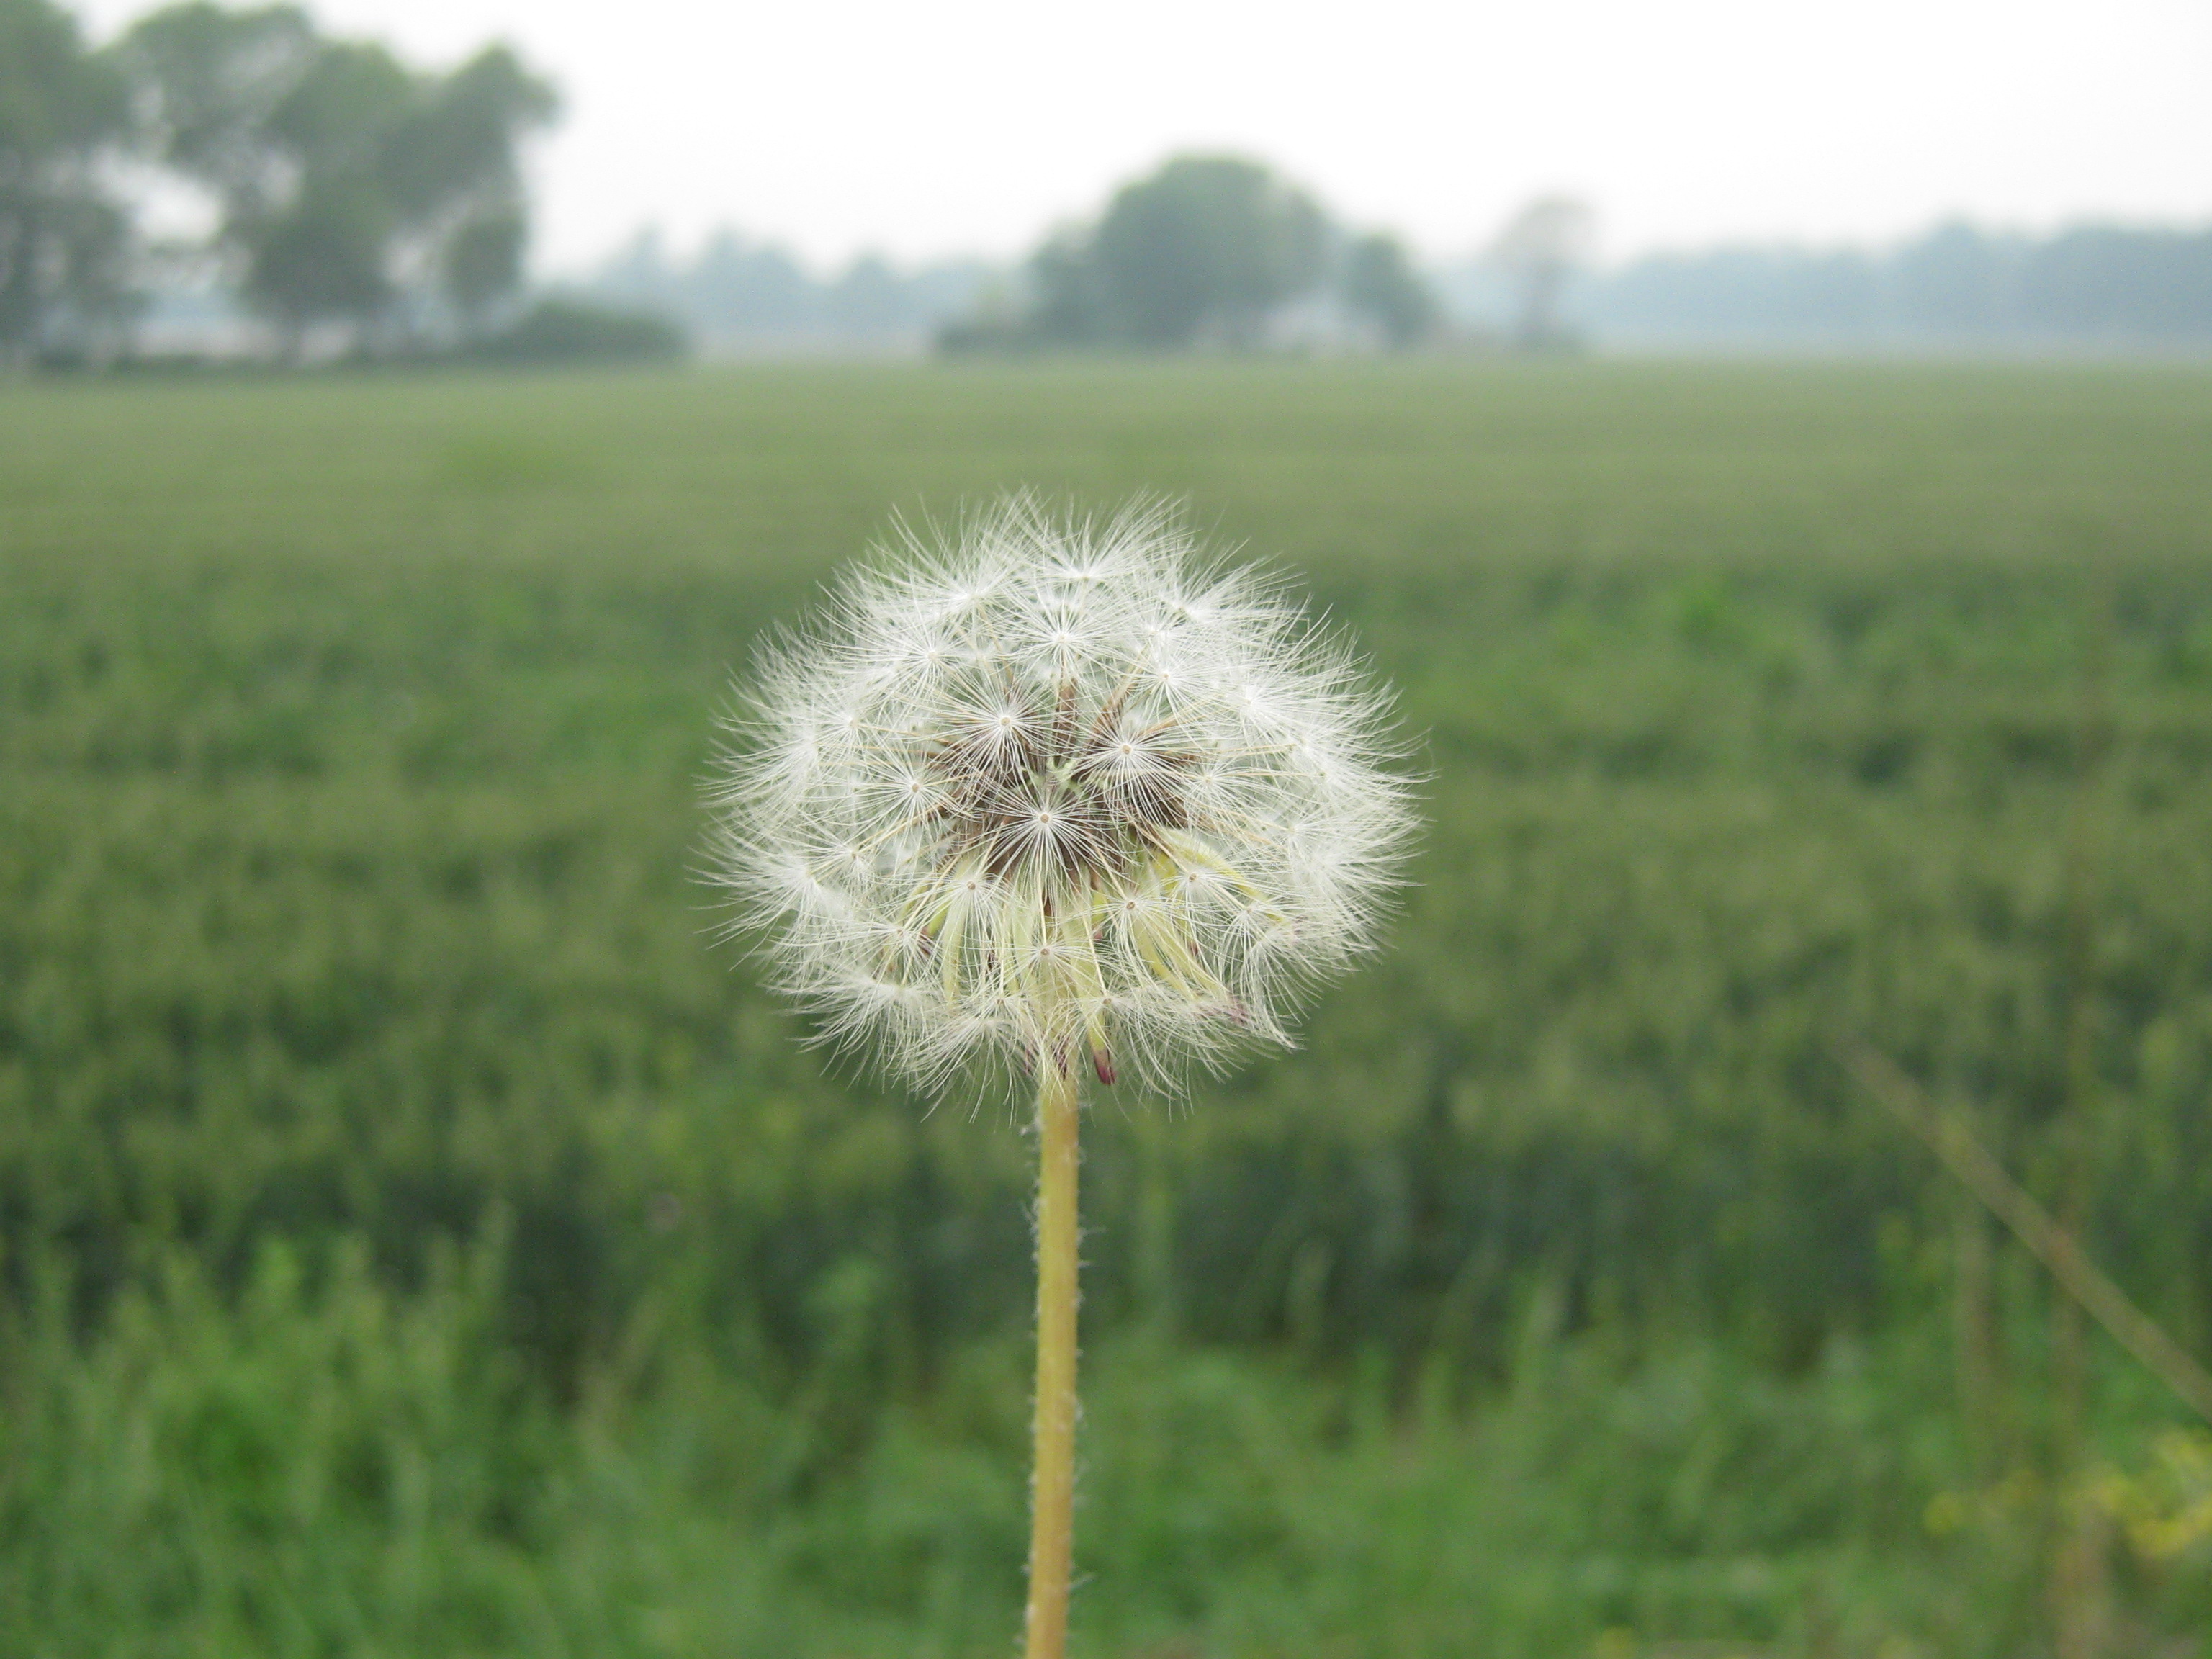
pixel 1062 789
pixel 1065 793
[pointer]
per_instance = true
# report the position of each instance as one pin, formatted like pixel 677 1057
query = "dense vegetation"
pixel 418 1240
pixel 1205 251
pixel 355 193
pixel 1954 284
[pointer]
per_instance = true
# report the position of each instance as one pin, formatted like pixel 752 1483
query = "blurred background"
pixel 1768 452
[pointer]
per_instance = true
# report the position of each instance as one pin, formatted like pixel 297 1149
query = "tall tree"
pixel 62 241
pixel 1204 249
pixel 347 182
pixel 456 174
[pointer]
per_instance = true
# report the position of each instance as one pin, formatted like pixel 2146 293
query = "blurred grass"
pixel 418 1240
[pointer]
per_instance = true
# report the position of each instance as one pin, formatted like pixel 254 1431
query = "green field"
pixel 419 1239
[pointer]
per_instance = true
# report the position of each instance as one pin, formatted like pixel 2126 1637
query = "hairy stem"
pixel 1053 1485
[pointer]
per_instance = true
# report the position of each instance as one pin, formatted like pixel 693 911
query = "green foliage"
pixel 61 240
pixel 1206 244
pixel 1202 253
pixel 365 1066
pixel 339 168
pixel 1199 252
pixel 319 1465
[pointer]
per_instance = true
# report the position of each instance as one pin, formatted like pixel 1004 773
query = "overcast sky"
pixel 970 125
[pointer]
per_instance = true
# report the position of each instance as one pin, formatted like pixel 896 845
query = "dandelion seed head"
pixel 1059 786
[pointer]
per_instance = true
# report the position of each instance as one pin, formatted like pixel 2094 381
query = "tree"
pixel 347 182
pixel 63 244
pixel 1540 247
pixel 456 174
pixel 1204 249
pixel 1203 252
pixel 1380 285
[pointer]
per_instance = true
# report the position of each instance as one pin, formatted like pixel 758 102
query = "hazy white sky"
pixel 969 125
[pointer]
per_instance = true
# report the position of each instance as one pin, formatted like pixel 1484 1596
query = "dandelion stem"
pixel 1053 1486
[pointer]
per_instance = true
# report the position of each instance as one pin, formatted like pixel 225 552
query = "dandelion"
pixel 1063 797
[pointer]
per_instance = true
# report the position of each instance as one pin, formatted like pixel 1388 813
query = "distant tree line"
pixel 355 203
pixel 738 295
pixel 1209 251
pixel 1220 252
pixel 1956 285
pixel 347 188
